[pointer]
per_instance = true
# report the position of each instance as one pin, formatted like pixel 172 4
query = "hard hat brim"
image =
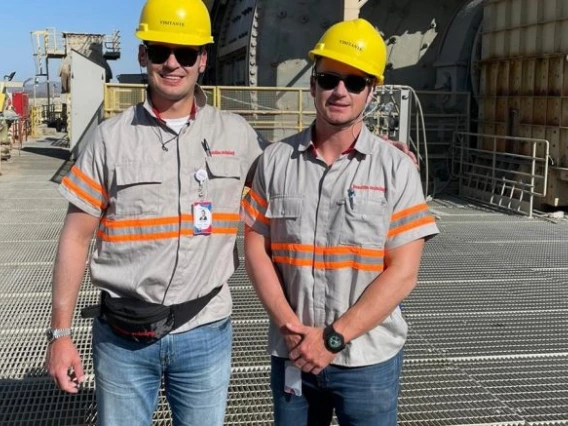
pixel 353 62
pixel 181 39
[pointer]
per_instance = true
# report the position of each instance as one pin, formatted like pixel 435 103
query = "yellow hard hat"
pixel 184 22
pixel 356 43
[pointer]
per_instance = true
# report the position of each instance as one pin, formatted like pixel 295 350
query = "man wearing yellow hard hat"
pixel 161 186
pixel 335 226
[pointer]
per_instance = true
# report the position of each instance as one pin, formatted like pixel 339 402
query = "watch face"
pixel 335 342
pixel 56 333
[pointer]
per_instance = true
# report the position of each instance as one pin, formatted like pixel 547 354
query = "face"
pixel 171 81
pixel 338 105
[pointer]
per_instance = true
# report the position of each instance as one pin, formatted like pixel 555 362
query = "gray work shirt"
pixel 139 177
pixel 329 227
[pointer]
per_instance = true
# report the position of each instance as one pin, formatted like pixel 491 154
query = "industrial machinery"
pixel 428 85
pixel 477 87
pixel 83 69
pixel 507 56
pixel 9 116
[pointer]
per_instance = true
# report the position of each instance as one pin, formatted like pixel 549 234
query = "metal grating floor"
pixel 487 323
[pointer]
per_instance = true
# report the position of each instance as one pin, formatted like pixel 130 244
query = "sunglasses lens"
pixel 327 81
pixel 186 56
pixel 355 83
pixel 159 54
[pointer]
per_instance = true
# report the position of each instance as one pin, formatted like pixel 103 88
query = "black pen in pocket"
pixel 206 148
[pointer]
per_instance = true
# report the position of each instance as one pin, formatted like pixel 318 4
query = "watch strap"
pixel 56 333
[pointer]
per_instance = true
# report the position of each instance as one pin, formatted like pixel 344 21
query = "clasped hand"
pixel 306 347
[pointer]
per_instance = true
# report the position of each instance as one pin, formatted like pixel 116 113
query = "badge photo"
pixel 202 218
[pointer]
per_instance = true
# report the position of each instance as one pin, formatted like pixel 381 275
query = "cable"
pixel 426 159
pixel 420 122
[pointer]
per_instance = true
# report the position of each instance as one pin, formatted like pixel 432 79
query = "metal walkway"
pixel 488 340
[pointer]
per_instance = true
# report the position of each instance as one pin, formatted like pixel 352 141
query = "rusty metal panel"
pixel 524 76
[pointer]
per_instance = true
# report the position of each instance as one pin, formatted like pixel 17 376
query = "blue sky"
pixel 18 18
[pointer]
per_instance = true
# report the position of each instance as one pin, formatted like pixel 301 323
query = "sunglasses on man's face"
pixel 353 83
pixel 185 56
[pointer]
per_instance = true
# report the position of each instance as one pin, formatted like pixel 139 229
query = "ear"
pixel 371 94
pixel 142 57
pixel 202 61
pixel 313 86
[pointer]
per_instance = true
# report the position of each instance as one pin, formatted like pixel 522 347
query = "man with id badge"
pixel 335 226
pixel 161 186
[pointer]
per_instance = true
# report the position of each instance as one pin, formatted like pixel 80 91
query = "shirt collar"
pixel 363 144
pixel 199 101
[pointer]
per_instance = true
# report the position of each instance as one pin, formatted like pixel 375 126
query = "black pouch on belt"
pixel 147 322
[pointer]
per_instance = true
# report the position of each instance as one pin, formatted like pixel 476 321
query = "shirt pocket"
pixel 138 189
pixel 365 222
pixel 285 214
pixel 224 187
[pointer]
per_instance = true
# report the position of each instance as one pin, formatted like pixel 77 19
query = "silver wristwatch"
pixel 55 333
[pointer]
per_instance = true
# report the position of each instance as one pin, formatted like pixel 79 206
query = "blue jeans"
pixel 195 366
pixel 361 396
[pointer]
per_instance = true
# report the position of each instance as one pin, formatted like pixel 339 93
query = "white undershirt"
pixel 176 124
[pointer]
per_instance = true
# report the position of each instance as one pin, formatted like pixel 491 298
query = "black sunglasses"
pixel 353 83
pixel 158 54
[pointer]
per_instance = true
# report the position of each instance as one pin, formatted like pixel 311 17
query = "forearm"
pixel 377 302
pixel 383 295
pixel 266 280
pixel 69 267
pixel 67 277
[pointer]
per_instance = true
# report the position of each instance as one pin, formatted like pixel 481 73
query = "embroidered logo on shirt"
pixel 215 152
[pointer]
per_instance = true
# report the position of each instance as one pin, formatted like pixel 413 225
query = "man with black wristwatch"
pixel 335 226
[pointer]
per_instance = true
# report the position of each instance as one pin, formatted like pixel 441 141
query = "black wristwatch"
pixel 334 342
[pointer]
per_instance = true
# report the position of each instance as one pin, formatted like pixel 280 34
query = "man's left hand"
pixel 311 355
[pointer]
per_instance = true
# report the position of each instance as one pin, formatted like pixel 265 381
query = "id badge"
pixel 202 218
pixel 292 379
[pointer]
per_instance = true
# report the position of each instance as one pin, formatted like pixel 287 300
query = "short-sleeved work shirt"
pixel 139 177
pixel 329 227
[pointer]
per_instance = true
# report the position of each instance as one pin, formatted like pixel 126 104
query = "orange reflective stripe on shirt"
pixel 410 218
pixel 409 211
pixel 328 257
pixel 128 230
pixel 254 213
pixel 255 206
pixel 88 181
pixel 85 188
pixel 261 201
pixel 82 194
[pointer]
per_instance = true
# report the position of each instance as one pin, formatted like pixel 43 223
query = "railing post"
pixel 300 110
pixel 533 171
pixel 461 163
pixel 493 175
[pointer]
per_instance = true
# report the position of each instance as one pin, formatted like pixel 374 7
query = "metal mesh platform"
pixel 487 338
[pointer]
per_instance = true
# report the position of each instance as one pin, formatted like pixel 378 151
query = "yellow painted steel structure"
pixel 276 112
